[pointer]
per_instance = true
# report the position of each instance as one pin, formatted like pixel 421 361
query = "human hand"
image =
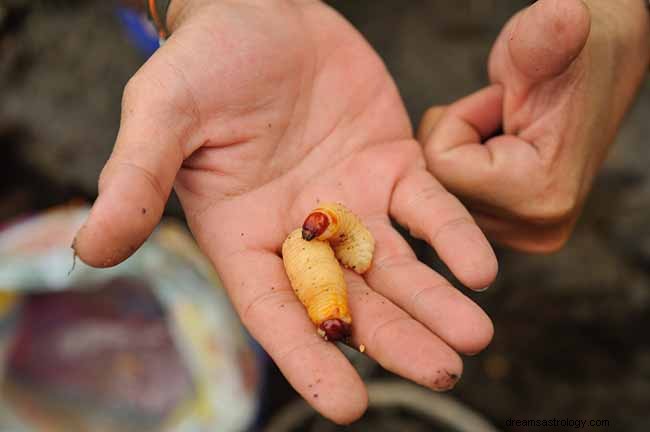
pixel 563 74
pixel 254 111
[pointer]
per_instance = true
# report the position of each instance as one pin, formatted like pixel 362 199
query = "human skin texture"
pixel 563 74
pixel 254 111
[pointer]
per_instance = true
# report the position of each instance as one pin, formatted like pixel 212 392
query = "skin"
pixel 253 111
pixel 563 73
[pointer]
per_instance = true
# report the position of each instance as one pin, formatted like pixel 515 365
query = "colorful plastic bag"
pixel 149 345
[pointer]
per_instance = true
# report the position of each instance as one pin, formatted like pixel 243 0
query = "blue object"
pixel 139 30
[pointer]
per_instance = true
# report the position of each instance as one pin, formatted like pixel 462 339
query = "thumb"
pixel 137 179
pixel 546 37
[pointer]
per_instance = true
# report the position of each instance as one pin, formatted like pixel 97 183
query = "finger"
pixel 429 121
pixel 431 213
pixel 397 342
pixel 546 37
pixel 137 179
pixel 397 274
pixel 500 171
pixel 277 320
pixel 471 119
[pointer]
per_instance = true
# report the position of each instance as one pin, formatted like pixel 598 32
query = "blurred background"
pixel 571 328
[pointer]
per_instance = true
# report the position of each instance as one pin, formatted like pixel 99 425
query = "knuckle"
pixel 423 295
pixel 258 309
pixel 251 315
pixel 388 324
pixel 152 179
pixel 432 193
pixel 451 225
pixel 553 205
pixel 391 262
pixel 429 195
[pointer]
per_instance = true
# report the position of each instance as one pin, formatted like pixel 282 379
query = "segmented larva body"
pixel 317 279
pixel 353 244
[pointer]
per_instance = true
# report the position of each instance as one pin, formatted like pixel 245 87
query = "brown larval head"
pixel 320 224
pixel 336 330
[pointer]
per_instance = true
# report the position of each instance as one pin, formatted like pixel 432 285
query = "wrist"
pixel 624 21
pixel 181 10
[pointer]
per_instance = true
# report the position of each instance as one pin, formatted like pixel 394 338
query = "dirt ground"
pixel 571 328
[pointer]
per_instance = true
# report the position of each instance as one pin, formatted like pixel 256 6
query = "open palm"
pixel 254 112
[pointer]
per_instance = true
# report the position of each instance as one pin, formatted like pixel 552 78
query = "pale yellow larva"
pixel 353 244
pixel 317 279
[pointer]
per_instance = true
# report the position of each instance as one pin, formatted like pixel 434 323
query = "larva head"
pixel 321 224
pixel 336 330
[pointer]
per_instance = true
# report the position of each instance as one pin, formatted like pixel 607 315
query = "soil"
pixel 571 328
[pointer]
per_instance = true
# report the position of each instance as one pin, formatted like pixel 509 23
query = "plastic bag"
pixel 149 345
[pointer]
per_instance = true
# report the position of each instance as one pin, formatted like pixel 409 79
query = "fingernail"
pixel 482 289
